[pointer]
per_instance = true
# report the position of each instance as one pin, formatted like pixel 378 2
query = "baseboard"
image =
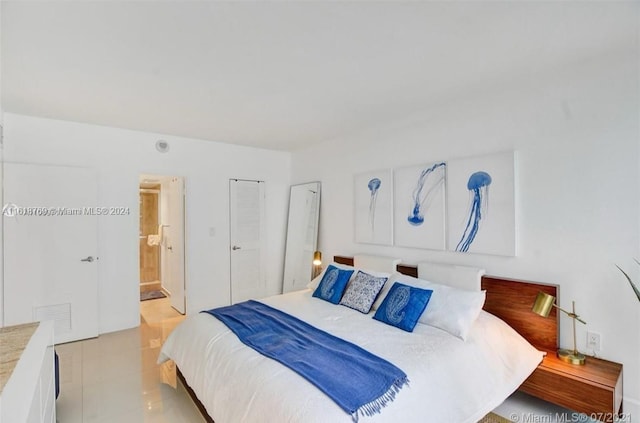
pixel 150 286
pixel 631 408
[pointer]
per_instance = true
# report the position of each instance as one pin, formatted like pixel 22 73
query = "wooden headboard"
pixel 510 300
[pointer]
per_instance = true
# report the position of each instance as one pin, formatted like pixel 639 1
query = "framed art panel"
pixel 419 206
pixel 373 193
pixel 481 205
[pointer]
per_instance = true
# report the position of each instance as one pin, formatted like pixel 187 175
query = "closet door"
pixel 247 239
pixel 50 248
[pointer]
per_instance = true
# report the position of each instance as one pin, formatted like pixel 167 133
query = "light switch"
pixel 212 231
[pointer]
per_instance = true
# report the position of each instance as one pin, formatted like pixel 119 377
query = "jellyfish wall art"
pixel 423 192
pixel 419 206
pixel 478 187
pixel 481 204
pixel 373 194
pixel 374 186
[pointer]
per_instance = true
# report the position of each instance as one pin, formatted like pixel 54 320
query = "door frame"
pixel 156 192
pixel 166 176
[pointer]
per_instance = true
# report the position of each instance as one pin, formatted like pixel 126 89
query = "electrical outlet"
pixel 593 341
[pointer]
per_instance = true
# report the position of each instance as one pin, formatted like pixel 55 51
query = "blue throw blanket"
pixel 358 381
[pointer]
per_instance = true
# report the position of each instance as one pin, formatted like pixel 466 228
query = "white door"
pixel 50 247
pixel 174 244
pixel 247 220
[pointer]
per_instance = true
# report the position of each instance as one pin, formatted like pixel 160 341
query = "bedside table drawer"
pixel 574 393
pixel 598 400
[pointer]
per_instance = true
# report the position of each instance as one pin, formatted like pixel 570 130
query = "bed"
pixel 451 379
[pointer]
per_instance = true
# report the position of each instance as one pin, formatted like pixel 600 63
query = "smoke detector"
pixel 162 146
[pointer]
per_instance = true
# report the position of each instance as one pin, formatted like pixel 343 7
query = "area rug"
pixel 151 295
pixel 494 418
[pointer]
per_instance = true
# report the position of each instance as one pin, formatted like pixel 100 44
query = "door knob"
pixel 235 247
pixel 88 259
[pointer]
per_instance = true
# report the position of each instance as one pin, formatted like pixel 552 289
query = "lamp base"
pixel 570 357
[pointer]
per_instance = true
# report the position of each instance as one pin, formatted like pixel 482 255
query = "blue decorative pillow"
pixel 403 306
pixel 362 291
pixel 333 284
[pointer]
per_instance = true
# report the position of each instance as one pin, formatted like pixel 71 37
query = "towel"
pixel 157 239
pixel 153 240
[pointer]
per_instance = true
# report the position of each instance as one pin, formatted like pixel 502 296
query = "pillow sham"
pixel 379 263
pixel 362 291
pixel 316 281
pixel 403 306
pixel 453 275
pixel 450 309
pixel 333 284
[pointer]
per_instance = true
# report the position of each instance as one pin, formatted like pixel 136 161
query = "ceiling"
pixel 279 75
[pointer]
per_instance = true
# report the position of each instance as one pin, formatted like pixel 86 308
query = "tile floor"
pixel 115 378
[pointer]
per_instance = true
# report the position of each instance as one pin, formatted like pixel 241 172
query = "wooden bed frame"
pixel 509 299
pixel 194 397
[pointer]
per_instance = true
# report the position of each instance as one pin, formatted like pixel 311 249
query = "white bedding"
pixel 450 380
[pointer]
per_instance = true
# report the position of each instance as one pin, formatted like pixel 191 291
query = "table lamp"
pixel 542 306
pixel 317 258
pixel 317 262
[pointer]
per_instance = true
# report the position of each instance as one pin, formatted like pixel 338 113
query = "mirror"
pixel 302 235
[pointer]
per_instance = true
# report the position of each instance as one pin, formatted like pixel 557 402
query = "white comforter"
pixel 449 380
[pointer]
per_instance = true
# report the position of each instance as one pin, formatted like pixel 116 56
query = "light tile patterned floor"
pixel 115 378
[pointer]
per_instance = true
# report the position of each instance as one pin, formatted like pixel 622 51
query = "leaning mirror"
pixel 302 235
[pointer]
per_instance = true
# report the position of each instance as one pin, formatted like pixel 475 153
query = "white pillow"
pixel 450 309
pixel 376 263
pixel 453 275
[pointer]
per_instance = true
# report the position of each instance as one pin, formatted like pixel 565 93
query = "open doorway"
pixel 161 247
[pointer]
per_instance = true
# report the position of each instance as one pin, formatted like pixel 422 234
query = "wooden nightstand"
pixel 594 389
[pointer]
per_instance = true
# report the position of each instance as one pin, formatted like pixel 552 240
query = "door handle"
pixel 88 259
pixel 235 247
pixel 170 248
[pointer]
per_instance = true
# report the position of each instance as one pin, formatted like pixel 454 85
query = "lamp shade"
pixel 543 304
pixel 317 258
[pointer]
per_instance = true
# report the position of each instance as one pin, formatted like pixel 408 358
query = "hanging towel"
pixel 153 240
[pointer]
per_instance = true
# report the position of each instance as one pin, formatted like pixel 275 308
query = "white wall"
pixel 1 184
pixel 575 128
pixel 120 156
